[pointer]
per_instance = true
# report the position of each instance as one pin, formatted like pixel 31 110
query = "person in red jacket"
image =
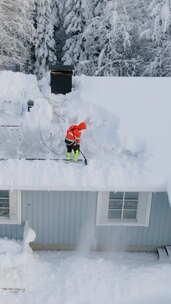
pixel 72 140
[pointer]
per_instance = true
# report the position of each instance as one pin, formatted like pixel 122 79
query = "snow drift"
pixel 15 259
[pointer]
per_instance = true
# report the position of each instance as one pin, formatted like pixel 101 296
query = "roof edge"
pixel 81 189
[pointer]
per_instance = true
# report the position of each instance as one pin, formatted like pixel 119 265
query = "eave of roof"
pixel 50 176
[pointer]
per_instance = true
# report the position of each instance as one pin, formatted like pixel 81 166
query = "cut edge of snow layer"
pixel 44 175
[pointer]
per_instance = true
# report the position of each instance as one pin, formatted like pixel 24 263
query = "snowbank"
pixel 15 258
pixel 122 278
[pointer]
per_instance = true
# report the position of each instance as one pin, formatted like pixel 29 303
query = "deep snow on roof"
pixel 127 142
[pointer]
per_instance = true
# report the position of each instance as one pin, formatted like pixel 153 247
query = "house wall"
pixel 64 220
pixel 158 233
pixel 57 217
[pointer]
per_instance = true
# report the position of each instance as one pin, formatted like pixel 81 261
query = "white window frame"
pixel 14 209
pixel 143 211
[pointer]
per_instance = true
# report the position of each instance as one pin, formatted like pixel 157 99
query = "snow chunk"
pixel 29 236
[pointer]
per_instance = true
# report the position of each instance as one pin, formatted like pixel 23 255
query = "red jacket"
pixel 74 132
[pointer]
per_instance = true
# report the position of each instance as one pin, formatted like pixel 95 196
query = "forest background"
pixel 98 37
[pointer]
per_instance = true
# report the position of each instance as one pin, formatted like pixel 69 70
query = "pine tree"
pixel 118 55
pixel 59 30
pixel 44 40
pixel 81 43
pixel 74 23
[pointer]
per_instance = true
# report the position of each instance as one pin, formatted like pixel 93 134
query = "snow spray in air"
pixel 87 238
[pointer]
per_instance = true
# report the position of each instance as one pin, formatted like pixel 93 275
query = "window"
pixel 10 207
pixel 123 208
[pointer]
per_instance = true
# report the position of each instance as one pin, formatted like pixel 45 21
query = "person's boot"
pixel 76 155
pixel 68 155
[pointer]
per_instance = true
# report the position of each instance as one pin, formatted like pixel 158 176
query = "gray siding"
pixel 57 217
pixel 11 231
pixel 66 218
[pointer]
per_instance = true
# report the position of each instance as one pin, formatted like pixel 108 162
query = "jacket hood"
pixel 82 126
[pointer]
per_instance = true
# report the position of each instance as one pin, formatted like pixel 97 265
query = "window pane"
pixel 4 212
pixel 129 214
pixel 131 204
pixel 116 195
pixel 4 203
pixel 131 195
pixel 115 204
pixel 4 194
pixel 114 214
pixel 123 205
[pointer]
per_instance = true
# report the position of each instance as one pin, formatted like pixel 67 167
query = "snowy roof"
pixel 127 142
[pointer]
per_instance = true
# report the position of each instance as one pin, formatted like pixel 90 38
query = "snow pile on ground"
pixel 15 259
pixel 126 144
pixel 122 278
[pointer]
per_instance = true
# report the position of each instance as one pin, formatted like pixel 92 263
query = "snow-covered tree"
pixel 17 32
pixel 160 13
pixel 69 23
pixel 105 45
pixel 116 41
pixel 74 19
pixel 74 23
pixel 44 39
pixel 82 45
pixel 99 37
pixel 159 32
pixel 59 30
pixel 125 38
